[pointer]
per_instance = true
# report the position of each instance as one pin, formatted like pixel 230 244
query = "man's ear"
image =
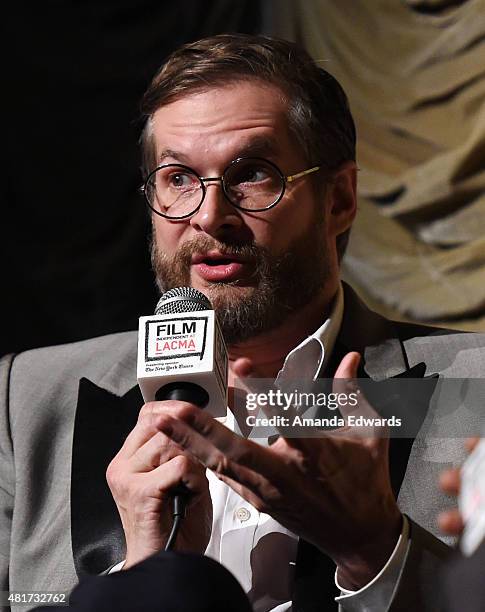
pixel 342 198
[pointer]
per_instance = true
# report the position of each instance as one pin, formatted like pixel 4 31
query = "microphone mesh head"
pixel 182 299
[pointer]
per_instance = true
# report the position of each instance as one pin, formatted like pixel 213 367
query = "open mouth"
pixel 214 258
pixel 218 267
pixel 212 261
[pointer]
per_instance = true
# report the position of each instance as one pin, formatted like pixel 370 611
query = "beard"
pixel 279 285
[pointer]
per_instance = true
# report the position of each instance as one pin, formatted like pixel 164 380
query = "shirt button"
pixel 243 514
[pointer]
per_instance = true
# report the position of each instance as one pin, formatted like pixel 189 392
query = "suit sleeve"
pixel 7 474
pixel 418 587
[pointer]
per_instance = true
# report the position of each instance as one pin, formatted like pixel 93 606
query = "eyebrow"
pixel 174 155
pixel 259 146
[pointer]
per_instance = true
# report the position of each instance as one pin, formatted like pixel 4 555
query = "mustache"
pixel 203 244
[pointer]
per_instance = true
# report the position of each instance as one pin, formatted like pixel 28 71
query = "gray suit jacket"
pixel 66 410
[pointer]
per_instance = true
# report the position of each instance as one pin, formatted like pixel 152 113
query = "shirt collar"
pixel 310 357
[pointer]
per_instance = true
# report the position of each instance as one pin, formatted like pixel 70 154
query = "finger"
pixel 242 367
pixel 144 428
pixel 307 447
pixel 365 433
pixel 247 490
pixel 157 450
pixel 450 481
pixel 349 365
pixel 179 470
pixel 354 402
pixel 249 484
pixel 451 522
pixel 242 370
pixel 471 443
pixel 243 383
pixel 345 383
pixel 140 433
pixel 215 445
pixel 346 371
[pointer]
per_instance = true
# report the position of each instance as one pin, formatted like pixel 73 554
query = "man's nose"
pixel 216 215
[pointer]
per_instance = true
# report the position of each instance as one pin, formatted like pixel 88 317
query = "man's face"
pixel 255 267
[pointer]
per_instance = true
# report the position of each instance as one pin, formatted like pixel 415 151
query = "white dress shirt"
pixel 260 552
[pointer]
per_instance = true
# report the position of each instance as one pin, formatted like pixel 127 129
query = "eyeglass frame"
pixel 285 180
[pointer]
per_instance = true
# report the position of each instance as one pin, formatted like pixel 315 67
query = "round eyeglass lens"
pixel 174 191
pixel 253 184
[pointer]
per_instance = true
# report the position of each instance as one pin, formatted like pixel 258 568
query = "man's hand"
pixel 141 478
pixel 451 521
pixel 334 491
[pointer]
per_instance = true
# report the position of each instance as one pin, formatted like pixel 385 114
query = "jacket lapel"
pixel 373 336
pixel 103 420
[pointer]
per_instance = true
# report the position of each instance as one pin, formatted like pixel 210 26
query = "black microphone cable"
pixel 179 507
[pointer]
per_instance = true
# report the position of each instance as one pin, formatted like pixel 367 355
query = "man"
pixel 249 152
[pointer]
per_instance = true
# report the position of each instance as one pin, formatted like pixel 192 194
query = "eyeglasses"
pixel 254 184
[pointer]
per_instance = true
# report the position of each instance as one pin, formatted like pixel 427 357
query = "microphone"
pixel 182 356
pixel 181 352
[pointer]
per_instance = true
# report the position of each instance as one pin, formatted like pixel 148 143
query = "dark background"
pixel 74 230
